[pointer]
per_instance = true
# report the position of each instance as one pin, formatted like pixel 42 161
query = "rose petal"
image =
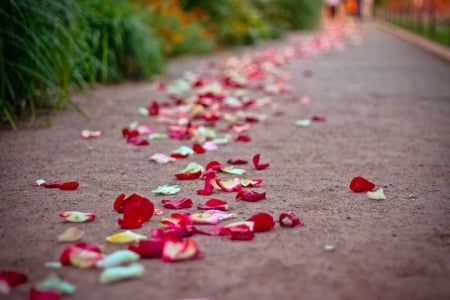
pixel 177 204
pixel 360 184
pixel 90 134
pixel 318 119
pixel 210 146
pixel 198 149
pixel 118 203
pixel 71 234
pixel 161 158
pixel 250 196
pixel 54 283
pixel 233 185
pixel 203 218
pixel 213 203
pixel 179 251
pixel 192 171
pixel 77 216
pixel 70 185
pixel 303 123
pixel 377 195
pixel 137 141
pixel 213 166
pixel 251 182
pixel 120 273
pixel 136 210
pixel 81 255
pixel 43 295
pixel 210 177
pixel 153 109
pixel 240 231
pixel 117 258
pixel 262 222
pixel 256 163
pixel 237 162
pixel 12 278
pixel 148 248
pixel 232 170
pixel 167 189
pixel 243 138
pixel 125 237
pixel 289 220
pixel 52 184
pixel 38 182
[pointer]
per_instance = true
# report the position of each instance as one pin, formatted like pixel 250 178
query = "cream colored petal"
pixel 71 234
pixel 119 273
pixel 377 195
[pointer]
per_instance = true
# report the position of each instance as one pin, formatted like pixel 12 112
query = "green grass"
pixel 439 33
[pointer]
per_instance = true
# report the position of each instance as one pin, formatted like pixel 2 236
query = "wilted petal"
pixel 71 234
pixel 289 220
pixel 179 251
pixel 177 204
pixel 77 216
pixel 54 283
pixel 213 203
pixel 250 196
pixel 117 258
pixel 125 237
pixel 259 166
pixel 262 222
pixel 377 195
pixel 162 158
pixel 119 273
pixel 360 184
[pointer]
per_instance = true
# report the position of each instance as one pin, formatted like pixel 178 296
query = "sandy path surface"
pixel 387 106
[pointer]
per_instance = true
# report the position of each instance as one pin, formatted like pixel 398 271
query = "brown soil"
pixel 388 119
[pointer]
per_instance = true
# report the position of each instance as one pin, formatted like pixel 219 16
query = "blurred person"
pixel 333 6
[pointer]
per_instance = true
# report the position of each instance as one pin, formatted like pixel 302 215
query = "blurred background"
pixel 49 48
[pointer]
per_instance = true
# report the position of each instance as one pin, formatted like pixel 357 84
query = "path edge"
pixel 427 45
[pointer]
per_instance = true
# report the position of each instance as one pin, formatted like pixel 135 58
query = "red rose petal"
pixel 318 119
pixel 119 202
pixel 213 166
pixel 263 222
pixel 198 149
pixel 360 184
pixel 52 184
pixel 13 278
pixel 136 210
pixel 213 203
pixel 289 220
pixel 153 109
pixel 178 155
pixel 237 162
pixel 243 138
pixel 65 255
pixel 70 185
pixel 148 248
pixel 138 141
pixel 239 233
pixel 256 163
pixel 177 204
pixel 43 295
pixel 250 196
pixel 186 176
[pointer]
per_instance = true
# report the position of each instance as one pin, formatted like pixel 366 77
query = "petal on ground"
pixel 289 220
pixel 257 164
pixel 114 274
pixel 262 222
pixel 214 203
pixel 182 203
pixel 118 258
pixel 71 234
pixel 125 237
pixel 250 196
pixel 77 216
pixel 360 184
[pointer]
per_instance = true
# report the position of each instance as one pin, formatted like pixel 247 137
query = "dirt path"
pixel 387 105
